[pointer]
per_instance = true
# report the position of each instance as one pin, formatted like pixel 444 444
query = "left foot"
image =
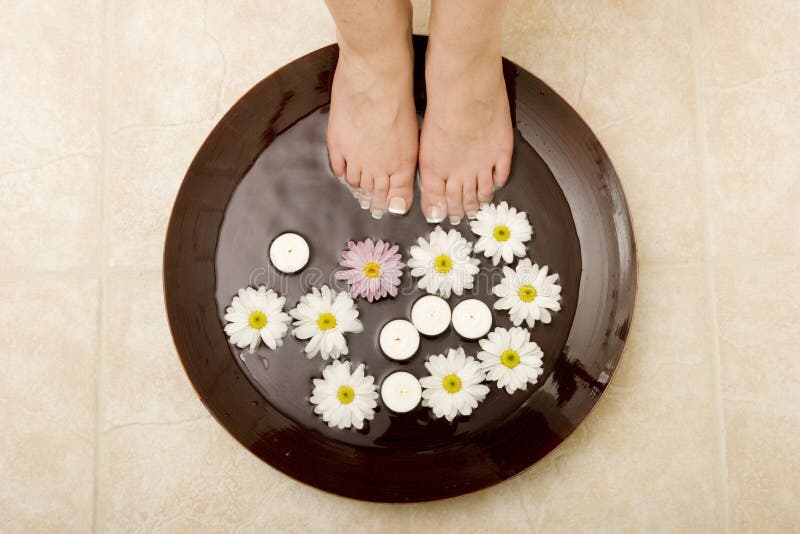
pixel 466 141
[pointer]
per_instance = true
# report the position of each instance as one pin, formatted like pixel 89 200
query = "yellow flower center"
pixel 346 395
pixel 501 232
pixel 372 270
pixel 443 263
pixel 257 320
pixel 527 293
pixel 326 321
pixel 451 383
pixel 510 358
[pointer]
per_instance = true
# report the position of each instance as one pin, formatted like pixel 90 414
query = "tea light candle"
pixel 431 315
pixel 472 319
pixel 399 339
pixel 401 392
pixel 289 252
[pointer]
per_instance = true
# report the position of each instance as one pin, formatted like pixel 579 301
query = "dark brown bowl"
pixel 263 170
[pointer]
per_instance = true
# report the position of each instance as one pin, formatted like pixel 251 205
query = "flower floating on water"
pixel 503 232
pixel 443 263
pixel 373 269
pixel 510 358
pixel 323 317
pixel 344 399
pixel 528 293
pixel 455 384
pixel 255 316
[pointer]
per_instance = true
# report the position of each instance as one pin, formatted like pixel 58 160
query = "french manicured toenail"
pixel 397 206
pixel 364 202
pixel 377 214
pixel 455 220
pixel 435 215
pixel 471 213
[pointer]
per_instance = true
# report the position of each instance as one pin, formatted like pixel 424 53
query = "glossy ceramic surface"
pixel 263 171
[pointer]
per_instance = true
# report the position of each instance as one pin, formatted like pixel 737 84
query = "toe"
pixel 455 195
pixel 434 204
pixel 380 188
pixel 365 191
pixel 470 196
pixel 485 186
pixel 501 170
pixel 353 175
pixel 337 164
pixel 401 192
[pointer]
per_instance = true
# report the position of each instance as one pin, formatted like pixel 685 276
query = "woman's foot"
pixel 372 129
pixel 467 140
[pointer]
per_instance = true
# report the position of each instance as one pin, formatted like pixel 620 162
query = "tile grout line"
pixel 720 260
pixel 79 274
pixel 101 269
pixel 701 141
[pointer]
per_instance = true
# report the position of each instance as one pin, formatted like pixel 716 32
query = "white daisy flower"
pixel 323 316
pixel 503 232
pixel 443 263
pixel 455 384
pixel 343 399
pixel 528 293
pixel 255 316
pixel 510 358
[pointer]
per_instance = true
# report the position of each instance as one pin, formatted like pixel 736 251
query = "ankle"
pixel 394 57
pixel 475 71
pixel 445 59
pixel 465 49
pixel 376 45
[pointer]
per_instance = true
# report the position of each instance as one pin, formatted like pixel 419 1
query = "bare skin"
pixel 372 129
pixel 466 141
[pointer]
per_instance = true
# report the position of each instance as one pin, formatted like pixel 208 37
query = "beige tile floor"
pixel 102 106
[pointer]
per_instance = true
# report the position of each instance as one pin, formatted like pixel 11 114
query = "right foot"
pixel 372 129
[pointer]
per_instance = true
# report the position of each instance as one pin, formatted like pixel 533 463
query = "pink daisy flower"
pixel 373 269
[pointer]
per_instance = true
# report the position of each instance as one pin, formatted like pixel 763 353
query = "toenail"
pixel 397 206
pixel 340 178
pixel 377 214
pixel 484 204
pixel 455 220
pixel 472 213
pixel 364 202
pixel 435 215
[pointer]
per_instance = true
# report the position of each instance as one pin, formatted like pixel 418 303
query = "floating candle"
pixel 289 252
pixel 431 315
pixel 401 392
pixel 472 319
pixel 399 339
